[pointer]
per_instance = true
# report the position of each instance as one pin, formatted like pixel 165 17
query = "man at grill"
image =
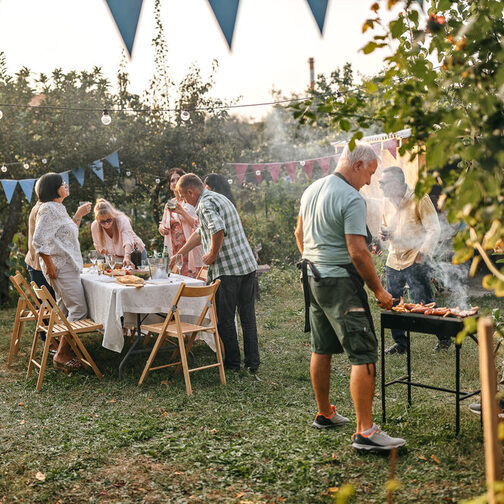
pixel 412 228
pixel 331 236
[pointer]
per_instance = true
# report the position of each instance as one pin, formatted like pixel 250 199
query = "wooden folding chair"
pixel 202 273
pixel 185 333
pixel 27 311
pixel 55 325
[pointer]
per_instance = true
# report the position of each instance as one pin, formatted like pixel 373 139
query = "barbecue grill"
pixel 427 324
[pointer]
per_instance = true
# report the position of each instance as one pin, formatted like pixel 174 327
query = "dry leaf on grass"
pixel 22 422
pixel 112 401
pixel 435 459
pixel 239 495
pixel 165 382
pixel 333 489
pixel 40 476
pixel 20 403
pixel 421 457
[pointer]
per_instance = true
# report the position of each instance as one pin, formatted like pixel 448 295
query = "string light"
pixel 105 118
pixel 44 161
pixel 302 163
pixel 4 168
pixel 258 172
pixel 26 166
pixel 1 114
pixel 185 115
pixel 157 181
pixel 128 173
pixel 230 181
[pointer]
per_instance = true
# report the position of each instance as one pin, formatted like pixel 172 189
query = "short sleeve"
pixel 355 217
pixel 212 219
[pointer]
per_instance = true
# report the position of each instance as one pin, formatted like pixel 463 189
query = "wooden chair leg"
pixel 218 351
pixel 185 367
pixel 43 362
pixel 88 359
pixel 16 333
pixel 151 358
pixel 33 353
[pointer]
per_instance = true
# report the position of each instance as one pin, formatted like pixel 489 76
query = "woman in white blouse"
pixel 179 222
pixel 56 243
pixel 112 233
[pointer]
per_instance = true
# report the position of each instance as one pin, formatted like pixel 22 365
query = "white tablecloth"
pixel 108 301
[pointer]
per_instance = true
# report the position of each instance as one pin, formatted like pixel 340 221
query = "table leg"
pixel 408 363
pixel 132 347
pixel 457 388
pixel 382 337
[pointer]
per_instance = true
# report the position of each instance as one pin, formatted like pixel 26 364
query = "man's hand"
pixel 209 258
pixel 384 299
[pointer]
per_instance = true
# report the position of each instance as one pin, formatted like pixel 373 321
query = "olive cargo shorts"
pixel 336 310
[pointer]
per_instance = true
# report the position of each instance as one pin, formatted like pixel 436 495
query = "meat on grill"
pixel 431 309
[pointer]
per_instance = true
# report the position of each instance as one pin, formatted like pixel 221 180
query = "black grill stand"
pixel 427 325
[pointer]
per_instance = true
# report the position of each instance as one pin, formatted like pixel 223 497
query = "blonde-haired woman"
pixel 112 233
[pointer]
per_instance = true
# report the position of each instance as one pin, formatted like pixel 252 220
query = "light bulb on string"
pixel 4 168
pixel 258 172
pixel 128 173
pixel 44 160
pixel 185 115
pixel 157 181
pixel 26 166
pixel 1 114
pixel 302 163
pixel 230 181
pixel 105 118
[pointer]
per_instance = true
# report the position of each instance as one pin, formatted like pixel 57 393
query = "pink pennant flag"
pixel 377 148
pixel 258 169
pixel 336 159
pixel 274 170
pixel 308 167
pixel 291 169
pixel 325 164
pixel 391 145
pixel 241 168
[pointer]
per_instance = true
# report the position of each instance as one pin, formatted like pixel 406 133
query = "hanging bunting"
pixel 319 8
pixel 377 148
pixel 113 160
pixel 258 169
pixel 308 167
pixel 291 169
pixel 391 145
pixel 97 167
pixel 240 168
pixel 274 170
pixel 126 14
pixel 9 186
pixel 79 174
pixel 27 187
pixel 225 11
pixel 325 164
pixel 66 179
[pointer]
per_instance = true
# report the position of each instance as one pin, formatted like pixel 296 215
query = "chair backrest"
pixel 189 291
pixel 202 273
pixel 51 308
pixel 26 293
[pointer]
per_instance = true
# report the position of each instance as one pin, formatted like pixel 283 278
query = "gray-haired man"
pixel 331 234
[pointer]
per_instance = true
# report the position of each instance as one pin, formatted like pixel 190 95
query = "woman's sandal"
pixel 71 365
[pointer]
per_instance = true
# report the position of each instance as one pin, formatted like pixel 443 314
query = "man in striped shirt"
pixel 230 259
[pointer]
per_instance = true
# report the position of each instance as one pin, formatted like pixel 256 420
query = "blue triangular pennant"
pixel 66 178
pixel 113 160
pixel 27 186
pixel 97 167
pixel 79 174
pixel 225 11
pixel 319 8
pixel 9 186
pixel 126 14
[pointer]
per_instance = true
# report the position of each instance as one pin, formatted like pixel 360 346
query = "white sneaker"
pixel 335 420
pixel 378 440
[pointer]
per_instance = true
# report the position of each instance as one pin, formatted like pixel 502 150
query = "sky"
pixel 272 42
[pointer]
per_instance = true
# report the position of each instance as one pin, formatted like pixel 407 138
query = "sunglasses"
pixel 106 221
pixel 174 181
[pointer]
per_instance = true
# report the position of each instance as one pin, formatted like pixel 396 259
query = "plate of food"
pixel 130 281
pixel 145 274
pixel 115 272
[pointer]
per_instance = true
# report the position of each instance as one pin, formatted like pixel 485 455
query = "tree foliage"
pixel 443 77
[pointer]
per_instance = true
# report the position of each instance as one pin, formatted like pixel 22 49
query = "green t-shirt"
pixel 330 209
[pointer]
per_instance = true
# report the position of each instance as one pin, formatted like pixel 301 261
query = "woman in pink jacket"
pixel 179 222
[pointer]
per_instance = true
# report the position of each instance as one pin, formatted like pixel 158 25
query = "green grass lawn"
pixel 250 441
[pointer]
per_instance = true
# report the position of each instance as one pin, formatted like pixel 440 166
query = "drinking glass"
pixel 179 262
pixel 99 263
pixel 93 257
pixel 110 258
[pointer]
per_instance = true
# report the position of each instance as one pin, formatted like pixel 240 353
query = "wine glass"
pixel 110 258
pixel 99 263
pixel 179 262
pixel 93 257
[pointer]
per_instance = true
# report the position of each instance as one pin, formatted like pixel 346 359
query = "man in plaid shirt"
pixel 230 259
